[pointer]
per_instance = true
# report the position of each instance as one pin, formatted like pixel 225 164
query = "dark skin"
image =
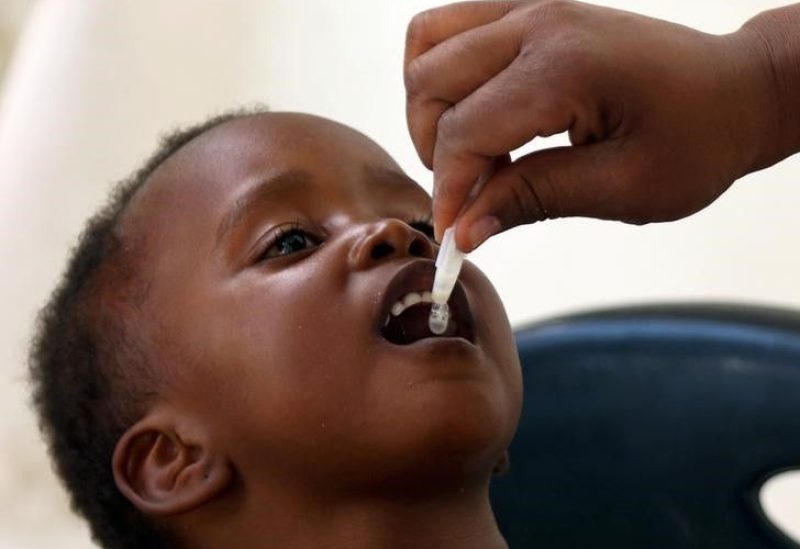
pixel 284 418
pixel 662 118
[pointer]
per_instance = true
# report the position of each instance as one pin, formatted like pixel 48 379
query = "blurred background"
pixel 86 87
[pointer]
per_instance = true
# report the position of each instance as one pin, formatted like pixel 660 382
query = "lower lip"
pixel 436 344
pixel 436 358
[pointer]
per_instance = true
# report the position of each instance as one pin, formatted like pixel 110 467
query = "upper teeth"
pixel 411 298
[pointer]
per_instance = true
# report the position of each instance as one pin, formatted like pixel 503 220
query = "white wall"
pixel 94 82
pixel 12 16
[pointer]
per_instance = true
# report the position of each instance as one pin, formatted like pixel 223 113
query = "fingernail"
pixel 483 229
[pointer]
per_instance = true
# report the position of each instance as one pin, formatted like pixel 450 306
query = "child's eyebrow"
pixel 268 190
pixel 388 175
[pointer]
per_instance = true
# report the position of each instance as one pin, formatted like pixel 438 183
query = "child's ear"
pixel 165 470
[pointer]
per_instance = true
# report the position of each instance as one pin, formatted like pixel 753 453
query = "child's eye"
pixel 289 242
pixel 424 226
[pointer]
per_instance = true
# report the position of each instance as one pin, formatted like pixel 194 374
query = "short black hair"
pixel 89 364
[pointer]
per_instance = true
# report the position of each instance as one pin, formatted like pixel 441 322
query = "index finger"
pixel 431 27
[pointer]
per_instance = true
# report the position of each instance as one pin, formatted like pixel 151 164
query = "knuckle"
pixel 413 79
pixel 555 21
pixel 452 136
pixel 558 9
pixel 447 128
pixel 419 26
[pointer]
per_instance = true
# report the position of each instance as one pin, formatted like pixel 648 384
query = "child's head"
pixel 224 344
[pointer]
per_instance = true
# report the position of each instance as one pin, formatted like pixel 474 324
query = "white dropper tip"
pixel 448 265
pixel 440 315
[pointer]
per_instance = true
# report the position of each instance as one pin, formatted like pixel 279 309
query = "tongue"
pixel 411 325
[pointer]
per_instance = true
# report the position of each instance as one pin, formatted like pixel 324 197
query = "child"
pixel 237 356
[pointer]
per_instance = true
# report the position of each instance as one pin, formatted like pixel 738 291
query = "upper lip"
pixel 417 276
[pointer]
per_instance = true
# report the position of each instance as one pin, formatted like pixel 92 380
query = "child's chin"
pixel 456 409
pixel 462 440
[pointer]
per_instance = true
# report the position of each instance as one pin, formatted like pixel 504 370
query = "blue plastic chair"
pixel 653 427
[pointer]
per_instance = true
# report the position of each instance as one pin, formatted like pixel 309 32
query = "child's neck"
pixel 461 520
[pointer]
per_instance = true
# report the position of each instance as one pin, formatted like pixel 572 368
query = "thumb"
pixel 547 184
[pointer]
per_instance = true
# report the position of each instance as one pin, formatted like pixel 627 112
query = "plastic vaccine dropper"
pixel 448 265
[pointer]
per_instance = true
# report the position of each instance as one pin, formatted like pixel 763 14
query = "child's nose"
pixel 388 239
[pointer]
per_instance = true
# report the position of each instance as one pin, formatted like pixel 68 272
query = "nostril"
pixel 381 250
pixel 418 248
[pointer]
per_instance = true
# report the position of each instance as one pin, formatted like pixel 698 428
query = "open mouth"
pixel 407 306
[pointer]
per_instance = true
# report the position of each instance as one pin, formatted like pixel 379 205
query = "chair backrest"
pixel 653 427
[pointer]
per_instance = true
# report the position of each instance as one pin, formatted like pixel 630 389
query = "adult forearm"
pixel 776 39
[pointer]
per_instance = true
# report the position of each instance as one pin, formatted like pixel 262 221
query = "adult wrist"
pixel 773 38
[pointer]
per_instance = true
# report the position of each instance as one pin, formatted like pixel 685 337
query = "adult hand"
pixel 662 118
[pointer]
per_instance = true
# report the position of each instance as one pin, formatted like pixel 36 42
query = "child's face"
pixel 276 245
